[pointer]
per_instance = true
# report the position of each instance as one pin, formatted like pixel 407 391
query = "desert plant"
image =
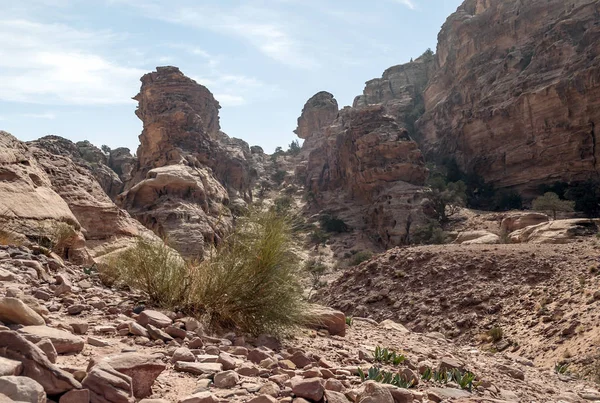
pixel 360 257
pixel 561 368
pixel 349 321
pixel 251 281
pixel 152 267
pixel 445 199
pixel 387 356
pixel 8 237
pixel 105 149
pixel 429 234
pixel 294 148
pixel 318 238
pixel 382 376
pixel 331 223
pixel 496 333
pixel 283 204
pixel 463 379
pixel 551 203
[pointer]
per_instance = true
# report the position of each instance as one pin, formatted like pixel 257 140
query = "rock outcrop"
pixel 30 207
pixel 106 227
pixel 362 165
pixel 188 172
pixel 516 93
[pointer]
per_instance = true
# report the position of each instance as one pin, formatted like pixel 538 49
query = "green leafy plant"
pixel 427 374
pixel 387 356
pixel 463 379
pixel 561 368
pixel 382 376
pixel 315 270
pixel 551 203
pixel 349 320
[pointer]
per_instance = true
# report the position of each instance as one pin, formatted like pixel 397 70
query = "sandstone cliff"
pixel 105 226
pixel 362 165
pixel 188 175
pixel 516 93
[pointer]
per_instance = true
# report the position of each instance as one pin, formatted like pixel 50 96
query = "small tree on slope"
pixel 550 202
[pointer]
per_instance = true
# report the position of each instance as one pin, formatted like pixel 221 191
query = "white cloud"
pixel 262 28
pixel 45 115
pixel 54 63
pixel 408 3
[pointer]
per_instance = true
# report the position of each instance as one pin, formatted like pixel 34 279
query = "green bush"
pixel 551 203
pixel 283 204
pixel 445 199
pixel 505 200
pixel 315 269
pixel 329 223
pixel 152 267
pixel 294 148
pixel 360 257
pixel 429 234
pixel 251 283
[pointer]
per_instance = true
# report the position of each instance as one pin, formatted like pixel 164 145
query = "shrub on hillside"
pixel 279 176
pixel 294 148
pixel 445 199
pixel 360 257
pixel 551 203
pixel 429 234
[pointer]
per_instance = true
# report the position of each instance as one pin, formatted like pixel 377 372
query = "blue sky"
pixel 70 67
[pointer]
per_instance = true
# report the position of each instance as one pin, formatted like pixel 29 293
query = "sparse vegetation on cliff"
pixel 551 203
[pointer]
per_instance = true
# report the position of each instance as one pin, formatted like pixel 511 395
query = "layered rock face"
pixel 29 205
pixel 106 227
pixel 516 93
pixel 188 173
pixel 361 164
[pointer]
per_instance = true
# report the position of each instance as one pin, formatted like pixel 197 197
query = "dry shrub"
pixel 152 267
pixel 251 281
pixel 62 235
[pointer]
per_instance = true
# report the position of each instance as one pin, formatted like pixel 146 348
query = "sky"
pixel 70 67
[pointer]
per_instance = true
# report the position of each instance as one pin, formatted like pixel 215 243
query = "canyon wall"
pixel 515 96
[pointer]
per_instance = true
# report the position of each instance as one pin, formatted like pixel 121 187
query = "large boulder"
pixel 556 232
pixel 13 310
pixel 107 385
pixel 480 237
pixel 516 221
pixel 35 363
pixel 321 317
pixel 22 389
pixel 143 370
pixel 63 341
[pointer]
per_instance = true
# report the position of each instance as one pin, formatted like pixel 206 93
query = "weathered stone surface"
pixel 226 379
pixel 375 393
pixel 187 169
pixel 555 232
pixel 35 363
pixel 10 367
pixel 76 396
pixel 143 370
pixel 310 388
pixel 154 318
pixel 201 397
pixel 515 96
pixel 13 310
pixel 107 385
pixel 198 368
pixel 22 389
pixel 63 341
pixel 517 221
pixel 480 237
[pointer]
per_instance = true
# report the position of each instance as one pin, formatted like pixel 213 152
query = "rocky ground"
pixel 81 341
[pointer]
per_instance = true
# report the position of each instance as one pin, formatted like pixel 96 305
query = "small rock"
pixel 310 388
pixel 22 389
pixel 75 396
pixel 226 379
pixel 96 342
pixel 13 310
pixel 183 354
pixel 154 318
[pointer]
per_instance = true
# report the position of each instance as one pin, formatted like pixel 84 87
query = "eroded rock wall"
pixel 516 93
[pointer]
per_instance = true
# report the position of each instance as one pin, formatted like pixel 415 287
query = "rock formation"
pixel 189 175
pixel 361 164
pixel 516 96
pixel 30 207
